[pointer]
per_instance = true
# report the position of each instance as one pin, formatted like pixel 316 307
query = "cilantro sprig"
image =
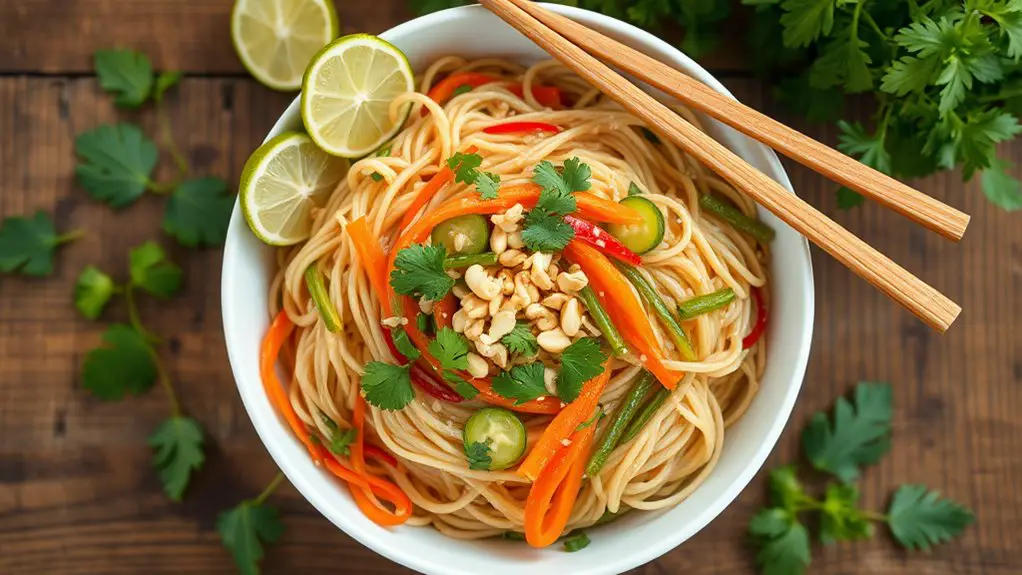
pixel 917 517
pixel 27 245
pixel 116 162
pixel 545 229
pixel 580 362
pixel 466 170
pixel 419 271
pixel 250 525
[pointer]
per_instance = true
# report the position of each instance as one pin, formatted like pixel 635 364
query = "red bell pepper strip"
pixel 761 321
pixel 547 96
pixel 379 454
pixel 597 237
pixel 444 89
pixel 521 128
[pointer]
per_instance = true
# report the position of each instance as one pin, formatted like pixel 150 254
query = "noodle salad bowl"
pixel 632 539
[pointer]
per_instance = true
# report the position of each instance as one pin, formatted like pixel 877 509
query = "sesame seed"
pixel 565 442
pixel 643 358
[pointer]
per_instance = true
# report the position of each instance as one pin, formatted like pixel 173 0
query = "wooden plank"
pixel 77 494
pixel 59 37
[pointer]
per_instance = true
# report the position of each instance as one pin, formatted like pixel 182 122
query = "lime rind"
pixel 280 184
pixel 355 130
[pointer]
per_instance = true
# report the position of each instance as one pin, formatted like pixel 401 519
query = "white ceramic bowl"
pixel 636 538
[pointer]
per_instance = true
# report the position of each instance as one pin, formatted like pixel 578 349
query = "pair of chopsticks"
pixel 564 40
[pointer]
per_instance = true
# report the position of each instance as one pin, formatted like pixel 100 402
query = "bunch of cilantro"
pixel 857 434
pixel 945 76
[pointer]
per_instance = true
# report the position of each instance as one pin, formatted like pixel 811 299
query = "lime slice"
pixel 347 92
pixel 276 39
pixel 281 182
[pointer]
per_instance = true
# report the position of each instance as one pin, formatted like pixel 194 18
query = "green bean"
pixel 701 304
pixel 483 259
pixel 737 219
pixel 649 293
pixel 629 407
pixel 646 414
pixel 602 321
pixel 326 308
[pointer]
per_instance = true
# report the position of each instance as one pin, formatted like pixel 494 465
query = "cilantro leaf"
pixel 465 167
pixel 783 542
pixel 115 163
pixel 341 440
pixel 848 199
pixel 786 491
pixel 419 271
pixel 387 386
pixel 461 387
pixel 450 348
pixel 857 436
pixel 523 383
pixel 488 185
pixel 919 518
pixel 1008 17
pixel 243 531
pixel 580 362
pixel 92 290
pixel 125 73
pixel 975 144
pixel 573 177
pixel 383 152
pixel 403 344
pixel 27 245
pixel 844 61
pixel 462 89
pixel 806 20
pixel 165 81
pixel 841 519
pixel 545 232
pixel 868 149
pixel 153 272
pixel 634 190
pixel 576 542
pixel 198 212
pixel 177 444
pixel 478 455
pixel 520 340
pixel 1000 187
pixel 125 364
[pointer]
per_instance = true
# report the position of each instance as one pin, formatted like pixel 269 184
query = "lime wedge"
pixel 276 39
pixel 347 92
pixel 281 182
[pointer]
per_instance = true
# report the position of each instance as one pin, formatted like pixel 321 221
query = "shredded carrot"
pixel 624 308
pixel 434 185
pixel 553 494
pixel 371 254
pixel 547 96
pixel 279 331
pixel 444 89
pixel 565 424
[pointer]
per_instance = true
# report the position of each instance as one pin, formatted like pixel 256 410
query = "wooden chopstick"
pixel 928 304
pixel 905 200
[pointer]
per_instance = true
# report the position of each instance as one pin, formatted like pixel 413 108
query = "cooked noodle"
pixel 674 453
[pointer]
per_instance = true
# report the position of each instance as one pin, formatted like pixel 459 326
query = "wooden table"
pixel 77 494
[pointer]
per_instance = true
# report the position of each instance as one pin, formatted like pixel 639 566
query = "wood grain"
pixel 911 203
pixel 77 494
pixel 929 304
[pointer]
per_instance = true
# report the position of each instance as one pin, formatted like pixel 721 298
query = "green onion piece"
pixel 326 308
pixel 701 304
pixel 644 382
pixel 737 219
pixel 607 517
pixel 483 259
pixel 646 414
pixel 602 321
pixel 513 536
pixel 649 293
pixel 576 542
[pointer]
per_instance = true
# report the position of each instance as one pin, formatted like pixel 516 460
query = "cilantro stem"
pixel 133 316
pixel 876 28
pixel 261 498
pixel 1003 95
pixel 874 516
pixel 162 187
pixel 167 134
pixel 168 386
pixel 69 237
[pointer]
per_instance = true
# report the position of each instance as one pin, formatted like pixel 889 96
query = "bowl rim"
pixel 273 434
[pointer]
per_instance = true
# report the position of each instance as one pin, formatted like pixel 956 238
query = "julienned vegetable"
pixel 445 89
pixel 761 321
pixel 648 410
pixel 645 236
pixel 602 321
pixel 483 259
pixel 736 218
pixel 705 303
pixel 501 432
pixel 463 235
pixel 553 493
pixel 595 236
pixel 326 308
pixel 643 383
pixel 650 295
pixel 521 128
